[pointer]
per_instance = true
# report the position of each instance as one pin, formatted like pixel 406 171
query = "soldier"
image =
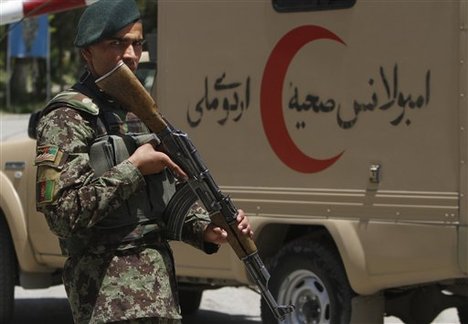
pixel 103 187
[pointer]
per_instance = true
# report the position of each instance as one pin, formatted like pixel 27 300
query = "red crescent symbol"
pixel 271 98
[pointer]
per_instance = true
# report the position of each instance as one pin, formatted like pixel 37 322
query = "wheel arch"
pixel 9 276
pixel 12 211
pixel 340 236
pixel 4 223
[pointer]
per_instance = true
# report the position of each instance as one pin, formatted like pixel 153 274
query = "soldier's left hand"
pixel 243 223
pixel 218 235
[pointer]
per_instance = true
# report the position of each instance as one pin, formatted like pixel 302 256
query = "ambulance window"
pixel 311 5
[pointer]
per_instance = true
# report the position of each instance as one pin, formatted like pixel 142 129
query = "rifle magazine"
pixel 176 211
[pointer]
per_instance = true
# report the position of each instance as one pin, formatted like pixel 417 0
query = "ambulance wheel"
pixel 310 276
pixel 463 314
pixel 7 273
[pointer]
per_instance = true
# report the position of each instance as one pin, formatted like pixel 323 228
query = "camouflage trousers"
pixel 138 286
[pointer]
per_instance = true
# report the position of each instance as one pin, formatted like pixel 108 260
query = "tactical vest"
pixel 119 134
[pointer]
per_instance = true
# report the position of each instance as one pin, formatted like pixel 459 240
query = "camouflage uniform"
pixel 115 271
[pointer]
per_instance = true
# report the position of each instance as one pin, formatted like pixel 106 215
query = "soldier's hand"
pixel 150 161
pixel 218 235
pixel 243 224
pixel 215 234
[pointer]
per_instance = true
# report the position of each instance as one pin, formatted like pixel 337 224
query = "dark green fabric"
pixel 104 19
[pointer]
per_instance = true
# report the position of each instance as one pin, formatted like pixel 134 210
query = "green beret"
pixel 104 19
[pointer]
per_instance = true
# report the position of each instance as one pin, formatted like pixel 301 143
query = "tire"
pixel 189 300
pixel 7 273
pixel 310 276
pixel 463 314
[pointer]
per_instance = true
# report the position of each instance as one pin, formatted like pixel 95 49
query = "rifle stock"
pixel 122 85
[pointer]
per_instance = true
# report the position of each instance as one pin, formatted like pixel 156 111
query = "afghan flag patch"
pixel 47 153
pixel 45 191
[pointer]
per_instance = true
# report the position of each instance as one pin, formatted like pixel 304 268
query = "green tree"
pixel 65 60
pixel 64 57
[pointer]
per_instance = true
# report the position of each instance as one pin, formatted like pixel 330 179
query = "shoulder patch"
pixel 76 100
pixel 49 154
pixel 45 191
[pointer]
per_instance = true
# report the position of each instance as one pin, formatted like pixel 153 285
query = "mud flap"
pixel 368 309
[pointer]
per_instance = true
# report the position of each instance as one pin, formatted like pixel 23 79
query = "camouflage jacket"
pixel 104 282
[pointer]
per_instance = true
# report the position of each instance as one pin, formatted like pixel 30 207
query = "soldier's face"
pixel 126 45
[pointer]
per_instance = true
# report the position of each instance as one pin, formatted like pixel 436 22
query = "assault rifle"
pixel 122 85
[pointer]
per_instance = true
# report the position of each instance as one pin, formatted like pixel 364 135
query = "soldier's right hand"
pixel 150 161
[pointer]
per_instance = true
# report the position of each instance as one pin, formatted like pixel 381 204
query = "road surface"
pixel 226 305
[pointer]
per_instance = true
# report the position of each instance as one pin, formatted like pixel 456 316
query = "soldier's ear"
pixel 86 54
